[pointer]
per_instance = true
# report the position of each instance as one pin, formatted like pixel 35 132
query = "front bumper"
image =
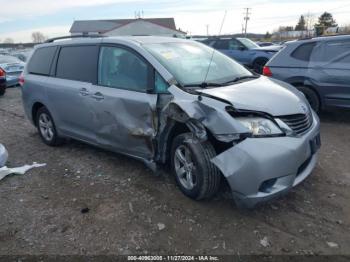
pixel 260 169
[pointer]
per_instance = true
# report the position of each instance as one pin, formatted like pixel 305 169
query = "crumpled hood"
pixel 263 94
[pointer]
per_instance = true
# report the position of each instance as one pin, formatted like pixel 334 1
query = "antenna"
pixel 212 55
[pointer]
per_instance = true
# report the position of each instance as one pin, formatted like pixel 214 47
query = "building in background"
pixel 285 35
pixel 123 27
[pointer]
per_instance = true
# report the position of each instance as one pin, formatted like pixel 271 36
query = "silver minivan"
pixel 167 100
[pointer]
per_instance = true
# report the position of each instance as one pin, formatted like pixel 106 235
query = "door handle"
pixel 98 96
pixel 84 92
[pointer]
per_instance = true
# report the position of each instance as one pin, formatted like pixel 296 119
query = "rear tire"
pixel 46 128
pixel 204 179
pixel 311 97
pixel 258 64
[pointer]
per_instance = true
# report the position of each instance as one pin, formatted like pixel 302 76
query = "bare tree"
pixel 309 23
pixel 346 29
pixel 38 37
pixel 8 41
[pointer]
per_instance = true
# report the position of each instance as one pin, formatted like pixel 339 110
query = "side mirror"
pixel 242 48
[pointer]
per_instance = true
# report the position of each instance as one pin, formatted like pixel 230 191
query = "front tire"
pixel 195 175
pixel 46 128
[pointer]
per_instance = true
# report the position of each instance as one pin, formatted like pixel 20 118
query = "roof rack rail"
pixel 323 36
pixel 51 40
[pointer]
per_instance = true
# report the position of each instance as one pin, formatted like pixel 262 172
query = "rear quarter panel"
pixel 34 90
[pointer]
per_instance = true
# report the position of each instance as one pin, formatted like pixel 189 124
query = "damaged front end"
pixel 256 167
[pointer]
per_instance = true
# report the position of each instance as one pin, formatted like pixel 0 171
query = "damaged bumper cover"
pixel 260 169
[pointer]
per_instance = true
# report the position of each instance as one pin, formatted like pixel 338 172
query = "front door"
pixel 233 49
pixel 124 111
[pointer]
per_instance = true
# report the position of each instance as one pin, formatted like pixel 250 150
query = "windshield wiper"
pixel 204 85
pixel 241 78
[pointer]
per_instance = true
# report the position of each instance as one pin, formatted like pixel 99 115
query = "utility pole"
pixel 246 18
pixel 207 29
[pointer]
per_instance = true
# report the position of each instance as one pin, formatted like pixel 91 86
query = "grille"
pixel 299 123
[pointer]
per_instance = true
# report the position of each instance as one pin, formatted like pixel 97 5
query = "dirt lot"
pixel 132 211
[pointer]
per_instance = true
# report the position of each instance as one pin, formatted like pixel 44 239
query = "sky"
pixel 19 18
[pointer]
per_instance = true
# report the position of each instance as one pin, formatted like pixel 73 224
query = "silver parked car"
pixel 10 69
pixel 319 67
pixel 176 101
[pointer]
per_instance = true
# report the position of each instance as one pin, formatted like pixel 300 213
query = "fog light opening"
pixel 266 186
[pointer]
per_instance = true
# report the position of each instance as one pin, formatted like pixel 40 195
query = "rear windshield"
pixel 41 61
pixel 8 59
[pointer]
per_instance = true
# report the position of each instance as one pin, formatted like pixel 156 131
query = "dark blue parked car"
pixel 318 67
pixel 244 51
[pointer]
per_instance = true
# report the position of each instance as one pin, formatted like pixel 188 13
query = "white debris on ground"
pixel 3 155
pixel 5 171
pixel 161 226
pixel 265 242
pixel 332 244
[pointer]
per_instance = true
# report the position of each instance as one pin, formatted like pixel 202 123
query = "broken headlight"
pixel 260 126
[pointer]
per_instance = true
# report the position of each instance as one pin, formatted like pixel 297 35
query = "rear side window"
pixel 222 44
pixel 303 52
pixel 78 63
pixel 41 61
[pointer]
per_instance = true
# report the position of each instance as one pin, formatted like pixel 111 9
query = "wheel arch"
pixel 306 82
pixel 36 106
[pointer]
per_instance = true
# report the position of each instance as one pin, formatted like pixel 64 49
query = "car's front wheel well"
pixel 179 128
pixel 35 109
pixel 176 129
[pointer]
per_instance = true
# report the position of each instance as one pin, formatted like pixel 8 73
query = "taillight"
pixel 267 71
pixel 21 79
pixel 2 72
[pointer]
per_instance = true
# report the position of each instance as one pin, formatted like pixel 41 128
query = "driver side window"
pixel 122 69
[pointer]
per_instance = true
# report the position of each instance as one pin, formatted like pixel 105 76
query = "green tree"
pixel 324 21
pixel 301 26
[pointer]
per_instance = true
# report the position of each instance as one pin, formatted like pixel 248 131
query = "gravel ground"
pixel 132 211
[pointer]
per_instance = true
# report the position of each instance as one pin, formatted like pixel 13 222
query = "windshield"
pixel 189 63
pixel 248 43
